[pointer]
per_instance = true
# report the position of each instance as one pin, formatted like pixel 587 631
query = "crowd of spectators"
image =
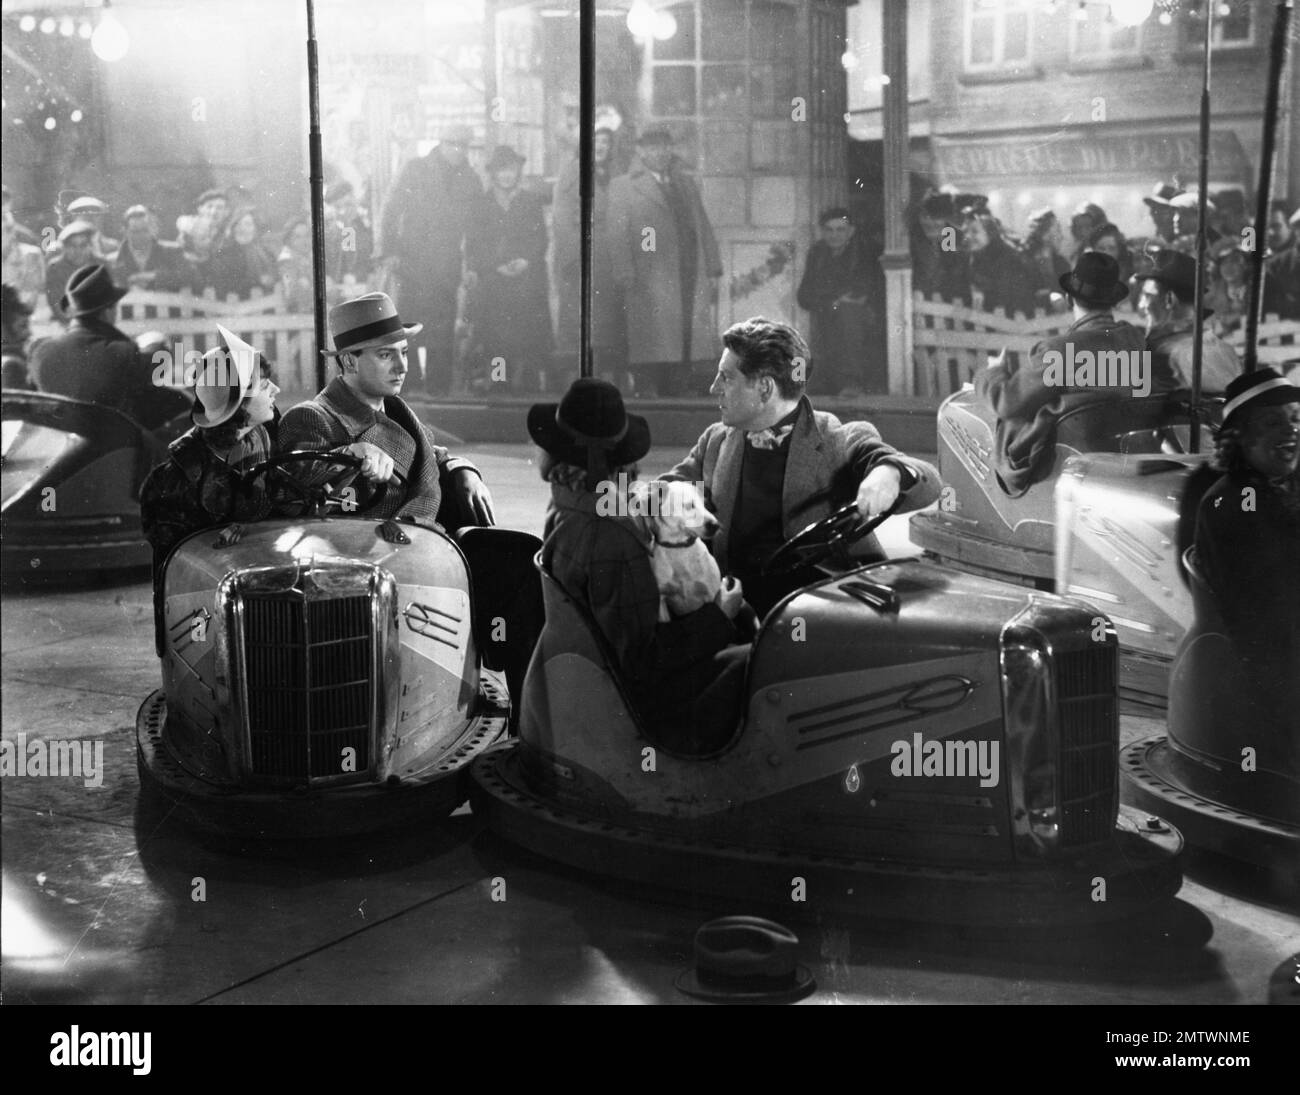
pixel 962 253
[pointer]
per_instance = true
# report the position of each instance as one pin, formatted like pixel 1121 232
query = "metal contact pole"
pixel 1202 182
pixel 586 172
pixel 316 181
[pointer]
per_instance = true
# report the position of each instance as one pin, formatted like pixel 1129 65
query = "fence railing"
pixel 952 342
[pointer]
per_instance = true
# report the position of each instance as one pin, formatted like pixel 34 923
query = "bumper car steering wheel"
pixel 824 539
pixel 327 497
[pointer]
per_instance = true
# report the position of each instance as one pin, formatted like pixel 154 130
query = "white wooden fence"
pixel 951 342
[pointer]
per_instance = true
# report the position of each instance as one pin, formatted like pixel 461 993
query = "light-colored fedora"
pixel 226 378
pixel 365 322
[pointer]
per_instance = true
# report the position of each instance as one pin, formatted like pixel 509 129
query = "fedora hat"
pixel 742 959
pixel 226 377
pixel 1095 280
pixel 590 427
pixel 365 322
pixel 1262 388
pixel 504 156
pixel 90 289
pixel 1162 195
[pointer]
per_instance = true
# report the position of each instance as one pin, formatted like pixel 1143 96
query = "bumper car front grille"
pixel 1089 742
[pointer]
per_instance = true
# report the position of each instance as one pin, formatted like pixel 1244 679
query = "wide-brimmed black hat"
pixel 590 428
pixel 1262 388
pixel 1095 280
pixel 90 289
pixel 740 959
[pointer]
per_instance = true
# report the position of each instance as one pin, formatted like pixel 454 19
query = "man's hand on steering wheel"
pixel 879 491
pixel 376 465
pixel 333 494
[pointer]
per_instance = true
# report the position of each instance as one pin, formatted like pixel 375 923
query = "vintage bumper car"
pixel 1107 521
pixel 71 475
pixel 918 743
pixel 1227 772
pixel 319 681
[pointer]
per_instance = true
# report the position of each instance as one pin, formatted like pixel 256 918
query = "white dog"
pixel 687 575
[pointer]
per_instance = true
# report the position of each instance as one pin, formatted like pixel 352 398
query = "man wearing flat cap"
pixel 76 249
pixel 1166 300
pixel 666 260
pixel 510 304
pixel 94 361
pixel 360 412
pixel 435 201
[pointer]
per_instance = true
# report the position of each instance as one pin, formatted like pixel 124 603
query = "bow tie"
pixel 771 438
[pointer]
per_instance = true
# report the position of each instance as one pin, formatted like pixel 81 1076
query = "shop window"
pixel 1235 30
pixel 1100 38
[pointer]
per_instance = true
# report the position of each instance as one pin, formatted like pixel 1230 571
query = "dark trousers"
pixel 421 300
pixel 707 719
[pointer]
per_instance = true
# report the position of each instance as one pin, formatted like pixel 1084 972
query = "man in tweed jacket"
pixel 360 412
pixel 773 465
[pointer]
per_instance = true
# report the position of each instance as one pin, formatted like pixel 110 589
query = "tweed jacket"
pixel 604 563
pixel 336 418
pixel 827 462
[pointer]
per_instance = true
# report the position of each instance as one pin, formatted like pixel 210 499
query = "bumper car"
pixel 319 680
pixel 71 475
pixel 917 743
pixel 1106 522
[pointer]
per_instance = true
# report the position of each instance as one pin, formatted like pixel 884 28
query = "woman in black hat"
pixel 1248 538
pixel 684 677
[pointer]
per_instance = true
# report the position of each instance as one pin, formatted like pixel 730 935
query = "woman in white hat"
pixel 203 484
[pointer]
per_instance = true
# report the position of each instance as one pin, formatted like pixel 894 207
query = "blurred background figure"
pixel 240 261
pixel 1228 287
pixel 1162 212
pixel 349 241
pixel 939 265
pixel 996 269
pixel 837 281
pixel 91 209
pixel 77 249
pixel 1282 267
pixel 608 332
pixel 433 204
pixel 145 262
pixel 24 265
pixel 506 250
pixel 1187 220
pixel 1165 302
pixel 1109 240
pixel 294 266
pixel 200 231
pixel 671 289
pixel 1087 217
pixel 15 330
pixel 1041 251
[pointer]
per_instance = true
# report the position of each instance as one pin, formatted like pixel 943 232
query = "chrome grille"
pixel 307 665
pixel 1089 741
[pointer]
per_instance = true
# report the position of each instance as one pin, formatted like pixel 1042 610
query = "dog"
pixel 687 575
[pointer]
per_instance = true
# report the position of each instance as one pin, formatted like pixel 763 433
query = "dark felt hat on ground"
pixel 746 959
pixel 90 289
pixel 1095 280
pixel 589 423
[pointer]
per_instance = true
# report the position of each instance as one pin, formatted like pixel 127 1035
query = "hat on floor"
pixel 741 959
pixel 366 322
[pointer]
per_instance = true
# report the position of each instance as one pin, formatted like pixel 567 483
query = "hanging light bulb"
pixel 76 115
pixel 849 59
pixel 27 24
pixel 110 40
pixel 665 25
pixel 67 27
pixel 641 20
pixel 1131 13
pixel 50 123
pixel 48 25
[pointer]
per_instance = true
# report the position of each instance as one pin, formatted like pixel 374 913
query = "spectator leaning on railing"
pixel 145 262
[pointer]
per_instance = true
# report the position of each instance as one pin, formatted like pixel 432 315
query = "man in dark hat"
pixel 1247 545
pixel 506 250
pixel 773 465
pixel 360 412
pixel 685 676
pixel 434 203
pixel 1163 213
pixel 666 260
pixel 94 361
pixel 1167 301
pixel 1097 359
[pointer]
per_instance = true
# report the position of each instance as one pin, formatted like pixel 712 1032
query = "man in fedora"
pixel 506 252
pixel 434 202
pixel 1167 301
pixel 360 412
pixel 666 260
pixel 1029 400
pixel 94 361
pixel 1163 213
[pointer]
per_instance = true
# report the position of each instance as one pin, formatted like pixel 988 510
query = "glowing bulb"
pixel 76 115
pixel 849 60
pixel 110 41
pixel 27 24
pixel 641 20
pixel 48 25
pixel 1165 19
pixel 67 27
pixel 1131 13
pixel 85 30
pixel 50 123
pixel 884 79
pixel 665 26
pixel 1225 10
